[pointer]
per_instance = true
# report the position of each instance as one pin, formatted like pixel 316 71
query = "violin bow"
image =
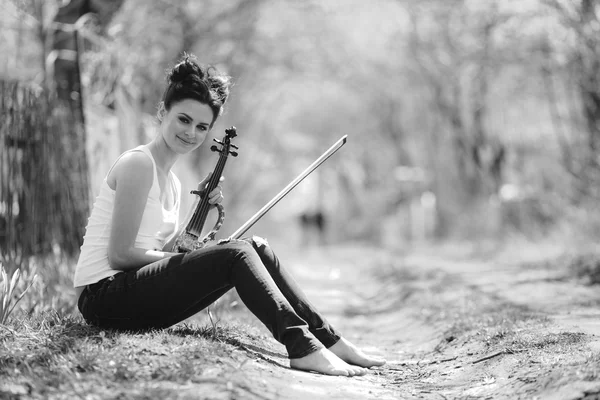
pixel 260 213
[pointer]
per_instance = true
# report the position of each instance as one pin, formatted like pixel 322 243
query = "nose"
pixel 191 132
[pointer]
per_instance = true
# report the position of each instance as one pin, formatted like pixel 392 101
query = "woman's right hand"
pixel 216 195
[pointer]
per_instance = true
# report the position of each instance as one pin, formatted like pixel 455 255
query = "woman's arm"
pixel 132 178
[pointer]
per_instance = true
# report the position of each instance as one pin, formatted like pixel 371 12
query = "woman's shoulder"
pixel 135 158
pixel 132 165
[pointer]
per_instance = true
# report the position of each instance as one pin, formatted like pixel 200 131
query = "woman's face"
pixel 185 125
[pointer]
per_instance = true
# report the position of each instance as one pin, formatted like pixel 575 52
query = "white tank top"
pixel 156 228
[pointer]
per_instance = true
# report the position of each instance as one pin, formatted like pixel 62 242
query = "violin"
pixel 189 239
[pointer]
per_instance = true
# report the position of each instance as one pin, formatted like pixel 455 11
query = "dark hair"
pixel 190 80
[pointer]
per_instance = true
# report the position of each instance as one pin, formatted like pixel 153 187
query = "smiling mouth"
pixel 185 141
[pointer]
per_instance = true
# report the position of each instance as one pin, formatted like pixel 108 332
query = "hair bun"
pixel 219 85
pixel 185 69
pixel 190 80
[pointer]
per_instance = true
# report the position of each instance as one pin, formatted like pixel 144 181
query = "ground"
pixel 457 322
pixel 453 321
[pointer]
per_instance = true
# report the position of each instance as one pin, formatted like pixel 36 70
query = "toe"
pixel 378 361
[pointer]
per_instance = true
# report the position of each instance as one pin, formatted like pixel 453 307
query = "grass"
pixel 581 266
pixel 47 350
pixel 11 292
pixel 586 268
pixel 589 370
pixel 57 355
pixel 490 338
pixel 488 326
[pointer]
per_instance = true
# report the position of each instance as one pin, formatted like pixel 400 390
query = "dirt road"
pixel 452 323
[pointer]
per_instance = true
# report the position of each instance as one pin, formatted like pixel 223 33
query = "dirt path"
pixel 454 322
pixel 451 324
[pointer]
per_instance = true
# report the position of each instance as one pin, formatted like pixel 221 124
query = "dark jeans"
pixel 163 293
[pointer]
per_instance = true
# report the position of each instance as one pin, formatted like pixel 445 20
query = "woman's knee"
pixel 259 244
pixel 239 247
pixel 248 250
pixel 263 249
pixel 222 253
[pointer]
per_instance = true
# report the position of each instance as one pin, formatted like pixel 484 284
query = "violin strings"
pixel 203 207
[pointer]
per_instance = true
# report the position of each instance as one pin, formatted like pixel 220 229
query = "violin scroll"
pixel 225 143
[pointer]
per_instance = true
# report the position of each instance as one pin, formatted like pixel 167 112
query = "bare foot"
pixel 325 362
pixel 353 355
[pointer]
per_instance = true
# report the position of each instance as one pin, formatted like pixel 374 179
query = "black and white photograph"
pixel 300 199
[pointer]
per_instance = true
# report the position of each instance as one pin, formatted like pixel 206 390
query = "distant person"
pixel 126 277
pixel 313 225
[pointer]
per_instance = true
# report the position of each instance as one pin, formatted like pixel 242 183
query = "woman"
pixel 125 281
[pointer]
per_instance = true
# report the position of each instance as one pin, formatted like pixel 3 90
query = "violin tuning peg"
pixel 214 148
pixel 234 146
pixel 217 140
pixel 233 153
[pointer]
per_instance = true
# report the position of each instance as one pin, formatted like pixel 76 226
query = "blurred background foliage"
pixel 466 119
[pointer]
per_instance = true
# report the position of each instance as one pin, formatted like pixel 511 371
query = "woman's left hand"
pixel 216 195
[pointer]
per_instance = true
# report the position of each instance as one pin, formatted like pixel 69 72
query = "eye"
pixel 184 120
pixel 202 128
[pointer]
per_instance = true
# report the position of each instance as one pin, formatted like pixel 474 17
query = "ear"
pixel 160 114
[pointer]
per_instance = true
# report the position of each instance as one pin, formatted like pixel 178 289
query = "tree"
pixel 452 45
pixel 579 20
